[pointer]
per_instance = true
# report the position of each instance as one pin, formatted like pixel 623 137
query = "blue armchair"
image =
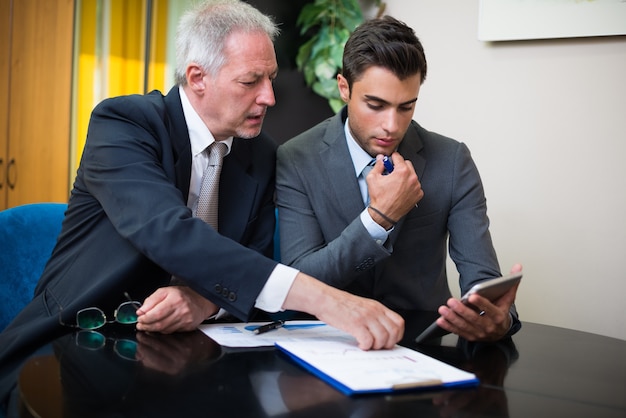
pixel 27 236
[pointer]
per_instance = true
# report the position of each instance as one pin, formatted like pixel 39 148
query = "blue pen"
pixel 388 165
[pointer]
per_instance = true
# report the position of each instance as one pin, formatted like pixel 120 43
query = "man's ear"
pixel 344 89
pixel 195 78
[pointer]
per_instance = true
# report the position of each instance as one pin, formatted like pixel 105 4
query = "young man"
pixel 130 226
pixel 384 235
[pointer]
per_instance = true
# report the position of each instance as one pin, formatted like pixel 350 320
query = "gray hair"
pixel 203 30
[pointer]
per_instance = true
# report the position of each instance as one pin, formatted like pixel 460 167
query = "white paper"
pixel 374 370
pixel 242 334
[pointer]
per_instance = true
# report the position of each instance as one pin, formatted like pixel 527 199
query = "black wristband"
pixel 385 217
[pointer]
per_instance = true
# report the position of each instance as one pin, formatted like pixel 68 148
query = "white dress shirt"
pixel 274 293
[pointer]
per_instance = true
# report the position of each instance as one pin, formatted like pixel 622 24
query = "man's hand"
pixel 468 323
pixel 372 324
pixel 394 194
pixel 174 308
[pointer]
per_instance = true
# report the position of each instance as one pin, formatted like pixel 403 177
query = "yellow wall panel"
pixel 111 54
pixel 87 68
pixel 158 46
pixel 126 47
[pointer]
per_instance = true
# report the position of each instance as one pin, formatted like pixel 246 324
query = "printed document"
pixel 334 356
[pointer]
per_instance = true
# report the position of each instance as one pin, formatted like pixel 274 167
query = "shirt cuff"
pixel 222 313
pixel 377 232
pixel 273 295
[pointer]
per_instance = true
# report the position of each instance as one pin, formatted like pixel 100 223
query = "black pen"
pixel 268 327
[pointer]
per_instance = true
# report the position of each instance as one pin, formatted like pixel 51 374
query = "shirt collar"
pixel 199 135
pixel 360 158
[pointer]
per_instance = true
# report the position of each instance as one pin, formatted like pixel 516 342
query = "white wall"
pixel 546 124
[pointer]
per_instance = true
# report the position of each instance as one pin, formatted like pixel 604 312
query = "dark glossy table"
pixel 543 371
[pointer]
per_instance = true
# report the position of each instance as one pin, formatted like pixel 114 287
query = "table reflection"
pixel 109 373
pixel 120 372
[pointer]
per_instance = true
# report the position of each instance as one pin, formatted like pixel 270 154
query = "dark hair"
pixel 383 42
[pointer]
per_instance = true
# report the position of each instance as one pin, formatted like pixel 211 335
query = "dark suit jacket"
pixel 128 229
pixel 321 234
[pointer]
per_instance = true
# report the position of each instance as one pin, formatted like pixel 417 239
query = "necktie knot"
pixel 217 151
pixel 368 168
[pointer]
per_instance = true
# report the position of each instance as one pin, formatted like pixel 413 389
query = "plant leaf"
pixel 336 104
pixel 328 25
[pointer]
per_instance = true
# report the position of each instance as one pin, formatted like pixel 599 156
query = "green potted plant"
pixel 327 24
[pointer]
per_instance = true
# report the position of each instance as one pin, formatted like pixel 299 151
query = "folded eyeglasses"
pixel 93 318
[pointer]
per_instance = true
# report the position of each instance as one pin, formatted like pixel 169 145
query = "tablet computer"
pixel 491 289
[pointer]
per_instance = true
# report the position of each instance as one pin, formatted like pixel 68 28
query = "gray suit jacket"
pixel 321 234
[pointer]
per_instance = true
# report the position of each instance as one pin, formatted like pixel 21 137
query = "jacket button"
pixel 232 296
pixel 218 288
pixel 366 264
pixel 225 292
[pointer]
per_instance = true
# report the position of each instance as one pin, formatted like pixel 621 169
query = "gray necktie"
pixel 364 173
pixel 209 190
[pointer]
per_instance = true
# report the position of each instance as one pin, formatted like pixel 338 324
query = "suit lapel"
pixel 238 190
pixel 410 148
pixel 335 163
pixel 179 134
